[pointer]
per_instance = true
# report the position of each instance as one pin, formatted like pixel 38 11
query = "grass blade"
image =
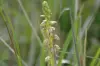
pixel 42 57
pixel 30 23
pixel 98 64
pixel 65 47
pixel 96 56
pixel 7 45
pixel 14 40
pixel 84 59
pixel 75 42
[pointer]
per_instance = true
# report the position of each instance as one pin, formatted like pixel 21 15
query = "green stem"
pixel 16 45
pixel 96 56
pixel 84 60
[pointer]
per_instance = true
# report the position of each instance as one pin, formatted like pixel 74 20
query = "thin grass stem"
pixel 74 42
pixel 93 62
pixel 13 37
pixel 84 60
pixel 30 23
pixel 86 56
pixel 7 45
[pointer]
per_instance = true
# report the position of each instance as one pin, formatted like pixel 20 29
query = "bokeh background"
pixel 29 45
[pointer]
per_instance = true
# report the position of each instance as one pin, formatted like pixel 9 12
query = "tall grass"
pixel 7 45
pixel 75 34
pixel 12 35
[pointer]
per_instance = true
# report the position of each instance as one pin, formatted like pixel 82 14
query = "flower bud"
pixel 42 15
pixel 46 41
pixel 56 37
pixel 53 22
pixel 51 29
pixel 57 47
pixel 47 58
pixel 43 23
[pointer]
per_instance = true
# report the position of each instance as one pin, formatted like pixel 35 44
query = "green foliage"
pixel 13 40
pixel 22 20
pixel 96 56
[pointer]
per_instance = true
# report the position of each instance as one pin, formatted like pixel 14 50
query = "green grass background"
pixel 22 18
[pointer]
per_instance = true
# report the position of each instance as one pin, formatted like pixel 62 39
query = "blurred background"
pixel 21 12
